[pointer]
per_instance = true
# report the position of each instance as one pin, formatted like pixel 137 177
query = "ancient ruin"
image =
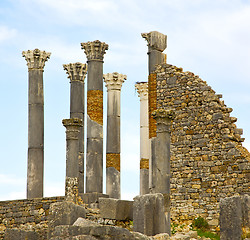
pixel 192 162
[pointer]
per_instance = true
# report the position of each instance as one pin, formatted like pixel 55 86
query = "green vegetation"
pixel 173 228
pixel 207 234
pixel 200 223
pixel 201 226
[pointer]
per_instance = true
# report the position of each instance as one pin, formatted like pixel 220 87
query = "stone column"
pixel 157 43
pixel 72 126
pixel 161 158
pixel 142 89
pixel 77 73
pixel 114 83
pixel 35 61
pixel 94 160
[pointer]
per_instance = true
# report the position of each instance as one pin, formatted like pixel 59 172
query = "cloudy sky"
pixel 209 38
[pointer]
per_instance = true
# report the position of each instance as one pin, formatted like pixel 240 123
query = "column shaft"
pixel 114 83
pixel 72 126
pixel 157 43
pixel 94 164
pixel 35 61
pixel 142 89
pixel 94 160
pixel 161 159
pixel 77 72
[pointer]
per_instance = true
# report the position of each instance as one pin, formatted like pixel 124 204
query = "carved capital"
pixel 76 71
pixel 156 40
pixel 142 89
pixel 95 50
pixel 36 58
pixel 114 80
pixel 163 117
pixel 72 126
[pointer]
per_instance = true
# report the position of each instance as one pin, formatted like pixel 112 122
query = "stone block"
pixel 148 214
pixel 64 213
pixel 16 234
pixel 246 210
pixel 92 199
pixel 82 222
pixel 230 218
pixel 116 209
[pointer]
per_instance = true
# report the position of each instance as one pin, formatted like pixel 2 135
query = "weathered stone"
pixel 17 234
pixel 94 159
pixel 92 198
pixel 230 218
pixel 82 222
pixel 116 209
pixel 35 61
pixel 161 236
pixel 148 214
pixel 114 83
pixel 246 210
pixel 64 213
pixel 76 73
pixel 142 89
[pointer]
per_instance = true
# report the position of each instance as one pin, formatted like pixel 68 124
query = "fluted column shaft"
pixel 35 61
pixel 77 73
pixel 113 83
pixel 142 89
pixel 161 158
pixel 94 159
pixel 72 126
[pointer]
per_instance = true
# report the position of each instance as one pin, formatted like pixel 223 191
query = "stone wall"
pixel 26 214
pixel 208 160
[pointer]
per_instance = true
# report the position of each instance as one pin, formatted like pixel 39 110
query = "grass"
pixel 208 234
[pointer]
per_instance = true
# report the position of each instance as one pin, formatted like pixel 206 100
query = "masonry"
pixel 208 161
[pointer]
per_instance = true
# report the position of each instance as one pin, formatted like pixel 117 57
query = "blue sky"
pixel 209 38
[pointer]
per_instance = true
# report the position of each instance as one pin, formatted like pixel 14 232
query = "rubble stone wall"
pixel 208 161
pixel 26 214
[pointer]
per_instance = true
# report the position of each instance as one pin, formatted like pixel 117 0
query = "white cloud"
pixel 11 180
pixel 13 195
pixel 52 189
pixel 7 33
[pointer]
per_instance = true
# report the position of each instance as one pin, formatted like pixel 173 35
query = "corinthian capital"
pixel 156 40
pixel 163 116
pixel 76 71
pixel 36 58
pixel 95 50
pixel 114 80
pixel 142 89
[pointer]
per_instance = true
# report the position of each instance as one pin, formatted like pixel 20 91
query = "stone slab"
pixel 230 218
pixel 64 213
pixel 16 234
pixel 116 209
pixel 92 199
pixel 148 214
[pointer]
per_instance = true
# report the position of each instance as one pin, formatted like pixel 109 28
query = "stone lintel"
pixel 76 71
pixel 114 80
pixel 72 126
pixel 36 58
pixel 156 40
pixel 95 50
pixel 142 89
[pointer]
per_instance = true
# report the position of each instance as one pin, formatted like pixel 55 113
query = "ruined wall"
pixel 208 160
pixel 26 214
